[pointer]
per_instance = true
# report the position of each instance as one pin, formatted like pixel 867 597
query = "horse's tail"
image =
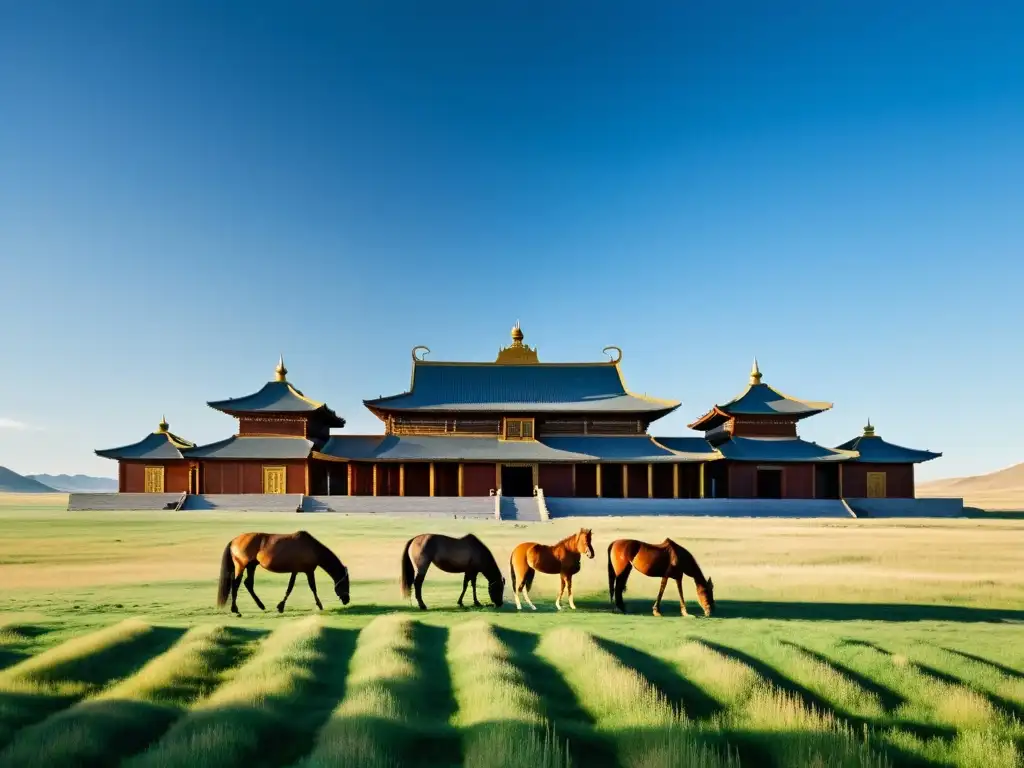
pixel 611 575
pixel 227 576
pixel 512 570
pixel 408 574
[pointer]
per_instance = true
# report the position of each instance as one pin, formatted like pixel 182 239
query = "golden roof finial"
pixel 281 372
pixel 163 426
pixel 755 374
pixel 517 352
pixel 869 431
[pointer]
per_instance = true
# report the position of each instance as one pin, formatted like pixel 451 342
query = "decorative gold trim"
pixel 522 421
pixel 517 353
pixel 702 479
pixel 625 481
pixel 269 482
pixel 153 479
pixel 650 481
pixel 280 372
pixel 876 481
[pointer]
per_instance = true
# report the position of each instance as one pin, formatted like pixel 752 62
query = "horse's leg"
pixel 526 590
pixel 682 602
pixel 421 574
pixel 312 586
pixel 472 581
pixel 620 586
pixel 291 583
pixel 465 585
pixel 250 582
pixel 568 583
pixel 561 591
pixel 661 591
pixel 239 572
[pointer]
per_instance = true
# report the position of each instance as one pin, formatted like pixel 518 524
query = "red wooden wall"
pixel 555 479
pixel 478 479
pixel 131 476
pixel 899 479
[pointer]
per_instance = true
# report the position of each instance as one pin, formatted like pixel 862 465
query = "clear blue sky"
pixel 188 189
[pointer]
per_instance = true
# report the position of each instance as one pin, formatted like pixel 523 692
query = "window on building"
pixel 519 429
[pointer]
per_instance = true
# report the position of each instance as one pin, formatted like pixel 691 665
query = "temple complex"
pixel 515 426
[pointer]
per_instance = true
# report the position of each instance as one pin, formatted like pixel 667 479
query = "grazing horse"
pixel 467 555
pixel 292 553
pixel 563 558
pixel 667 560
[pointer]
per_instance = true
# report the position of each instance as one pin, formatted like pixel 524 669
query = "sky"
pixel 189 189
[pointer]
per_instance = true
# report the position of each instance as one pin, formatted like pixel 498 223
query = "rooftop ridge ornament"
pixel 755 374
pixel 163 427
pixel 618 358
pixel 416 349
pixel 517 353
pixel 280 373
pixel 869 431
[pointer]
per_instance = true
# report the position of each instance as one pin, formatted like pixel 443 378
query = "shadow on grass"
pixel 276 729
pixel 9 657
pixel 693 700
pixel 889 698
pixel 561 705
pixel 19 709
pixel 863 612
pixel 1003 669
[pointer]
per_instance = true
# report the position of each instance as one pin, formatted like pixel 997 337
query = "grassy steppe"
pixel 838 643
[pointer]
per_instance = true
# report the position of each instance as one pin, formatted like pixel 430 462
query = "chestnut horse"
pixel 467 555
pixel 667 560
pixel 563 558
pixel 292 553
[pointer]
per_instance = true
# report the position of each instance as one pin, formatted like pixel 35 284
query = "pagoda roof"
pixel 872 449
pixel 582 449
pixel 759 399
pixel 692 448
pixel 277 397
pixel 253 447
pixel 162 444
pixel 781 449
pixel 517 383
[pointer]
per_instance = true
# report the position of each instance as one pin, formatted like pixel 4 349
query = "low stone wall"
pixel 907 507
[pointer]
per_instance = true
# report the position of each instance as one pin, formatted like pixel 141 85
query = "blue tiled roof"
pixel 157 445
pixel 580 388
pixel 553 449
pixel 276 397
pixel 253 448
pixel 780 449
pixel 695 448
pixel 875 450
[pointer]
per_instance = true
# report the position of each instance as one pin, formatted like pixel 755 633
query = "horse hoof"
pixel 687 615
pixel 656 612
pixel 280 609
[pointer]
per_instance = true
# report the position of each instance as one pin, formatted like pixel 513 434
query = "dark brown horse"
pixel 467 555
pixel 292 553
pixel 562 558
pixel 667 560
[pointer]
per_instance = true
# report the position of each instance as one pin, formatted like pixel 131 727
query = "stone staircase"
pixel 244 502
pixel 465 507
pixel 789 508
pixel 98 502
pixel 520 509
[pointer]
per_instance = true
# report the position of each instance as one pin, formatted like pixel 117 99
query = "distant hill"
pixel 12 482
pixel 1003 489
pixel 78 483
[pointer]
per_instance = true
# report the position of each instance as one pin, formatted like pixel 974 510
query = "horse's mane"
pixel 568 538
pixel 684 556
pixel 486 554
pixel 329 561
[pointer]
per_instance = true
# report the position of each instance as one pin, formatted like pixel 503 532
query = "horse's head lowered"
pixel 496 589
pixel 584 544
pixel 706 597
pixel 341 586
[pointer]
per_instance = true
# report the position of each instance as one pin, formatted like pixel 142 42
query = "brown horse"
pixel 667 560
pixel 292 553
pixel 467 555
pixel 563 558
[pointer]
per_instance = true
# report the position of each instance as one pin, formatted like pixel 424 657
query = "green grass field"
pixel 836 643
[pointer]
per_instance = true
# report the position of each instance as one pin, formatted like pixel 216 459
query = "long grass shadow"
pixel 889 699
pixel 898 612
pixel 692 699
pixel 1009 708
pixel 9 657
pixel 1002 668
pixel 561 705
pixel 432 700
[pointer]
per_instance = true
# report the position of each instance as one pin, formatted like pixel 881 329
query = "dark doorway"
pixel 769 483
pixel 516 481
pixel 611 481
pixel 826 481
